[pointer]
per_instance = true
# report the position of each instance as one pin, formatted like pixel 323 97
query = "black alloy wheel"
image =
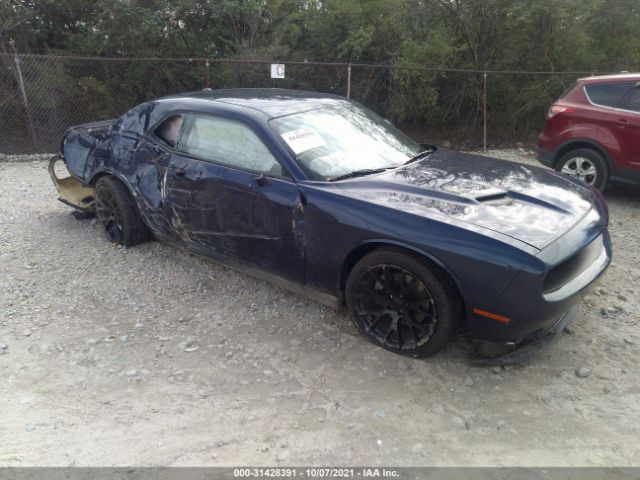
pixel 402 302
pixel 108 214
pixel 395 307
pixel 116 210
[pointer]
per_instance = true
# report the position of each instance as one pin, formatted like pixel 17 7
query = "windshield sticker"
pixel 303 139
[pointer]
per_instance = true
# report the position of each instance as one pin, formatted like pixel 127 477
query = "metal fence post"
pixel 484 111
pixel 349 81
pixel 23 91
pixel 206 73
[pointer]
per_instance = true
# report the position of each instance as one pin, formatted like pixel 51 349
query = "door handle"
pixel 622 122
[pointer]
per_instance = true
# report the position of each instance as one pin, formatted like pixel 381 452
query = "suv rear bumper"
pixel 545 157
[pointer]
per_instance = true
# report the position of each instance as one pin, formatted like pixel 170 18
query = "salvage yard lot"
pixel 150 356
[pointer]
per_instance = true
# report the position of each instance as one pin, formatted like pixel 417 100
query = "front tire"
pixel 118 214
pixel 402 303
pixel 587 165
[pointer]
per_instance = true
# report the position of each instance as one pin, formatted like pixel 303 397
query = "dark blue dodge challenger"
pixel 319 194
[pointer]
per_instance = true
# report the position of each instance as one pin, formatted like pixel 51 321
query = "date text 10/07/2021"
pixel 315 473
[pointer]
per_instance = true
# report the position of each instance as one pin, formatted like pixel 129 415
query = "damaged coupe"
pixel 324 197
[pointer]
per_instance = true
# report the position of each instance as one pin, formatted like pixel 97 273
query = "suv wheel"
pixel 586 165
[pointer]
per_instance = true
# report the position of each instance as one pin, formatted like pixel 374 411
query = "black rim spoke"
pixel 390 330
pixel 108 214
pixel 376 317
pixel 416 337
pixel 395 307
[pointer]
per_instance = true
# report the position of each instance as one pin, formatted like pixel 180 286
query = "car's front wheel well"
pixel 354 257
pixel 361 251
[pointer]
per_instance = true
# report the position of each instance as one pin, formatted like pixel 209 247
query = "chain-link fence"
pixel 41 95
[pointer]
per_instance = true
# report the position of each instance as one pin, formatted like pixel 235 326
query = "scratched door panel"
pixel 278 219
pixel 221 211
pixel 205 205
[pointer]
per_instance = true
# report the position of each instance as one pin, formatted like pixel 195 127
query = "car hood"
pixel 530 204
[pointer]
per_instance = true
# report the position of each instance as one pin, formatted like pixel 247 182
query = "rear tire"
pixel 587 165
pixel 403 303
pixel 117 212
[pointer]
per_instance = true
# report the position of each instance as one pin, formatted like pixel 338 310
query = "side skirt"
pixel 326 299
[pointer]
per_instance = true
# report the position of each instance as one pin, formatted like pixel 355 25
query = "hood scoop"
pixel 495 198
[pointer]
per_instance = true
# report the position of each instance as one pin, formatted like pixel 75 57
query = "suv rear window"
pixel 607 94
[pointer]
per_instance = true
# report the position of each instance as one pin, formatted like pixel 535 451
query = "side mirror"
pixel 262 181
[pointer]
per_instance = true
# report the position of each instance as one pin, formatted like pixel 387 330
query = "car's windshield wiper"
pixel 419 155
pixel 359 173
pixel 370 171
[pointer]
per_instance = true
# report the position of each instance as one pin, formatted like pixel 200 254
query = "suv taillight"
pixel 556 109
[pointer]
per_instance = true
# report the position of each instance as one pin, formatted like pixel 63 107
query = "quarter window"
pixel 607 94
pixel 227 142
pixel 633 100
pixel 169 130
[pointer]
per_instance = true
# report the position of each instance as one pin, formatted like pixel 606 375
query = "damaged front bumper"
pixel 510 353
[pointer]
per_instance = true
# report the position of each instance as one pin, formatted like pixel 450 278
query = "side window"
pixel 607 94
pixel 632 101
pixel 227 142
pixel 169 130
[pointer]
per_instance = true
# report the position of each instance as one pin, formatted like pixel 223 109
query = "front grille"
pixel 569 269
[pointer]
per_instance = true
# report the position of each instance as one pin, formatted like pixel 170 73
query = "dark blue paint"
pixel 496 227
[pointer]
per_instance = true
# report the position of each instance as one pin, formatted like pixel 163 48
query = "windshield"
pixel 338 140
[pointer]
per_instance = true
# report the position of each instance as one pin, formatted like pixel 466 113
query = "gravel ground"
pixel 149 356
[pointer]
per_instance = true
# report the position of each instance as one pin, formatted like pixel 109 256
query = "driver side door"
pixel 226 195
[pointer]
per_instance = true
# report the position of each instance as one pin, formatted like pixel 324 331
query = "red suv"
pixel 592 131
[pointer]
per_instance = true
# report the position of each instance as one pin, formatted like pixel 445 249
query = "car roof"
pixel 616 77
pixel 271 102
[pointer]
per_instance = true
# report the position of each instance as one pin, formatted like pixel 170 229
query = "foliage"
pixel 520 35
